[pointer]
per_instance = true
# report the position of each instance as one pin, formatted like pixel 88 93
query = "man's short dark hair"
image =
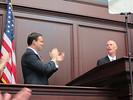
pixel 33 36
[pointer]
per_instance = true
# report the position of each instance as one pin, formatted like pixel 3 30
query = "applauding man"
pixel 34 70
pixel 111 47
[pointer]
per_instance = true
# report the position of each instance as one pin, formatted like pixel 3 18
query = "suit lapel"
pixel 32 52
pixel 107 59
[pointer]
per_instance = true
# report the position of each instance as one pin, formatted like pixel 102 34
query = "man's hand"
pixel 60 56
pixel 53 54
pixel 56 56
pixel 5 58
pixel 23 94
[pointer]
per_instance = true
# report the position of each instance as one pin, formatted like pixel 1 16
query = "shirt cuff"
pixel 55 64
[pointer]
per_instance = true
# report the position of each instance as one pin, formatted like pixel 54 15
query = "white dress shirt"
pixel 111 58
pixel 39 56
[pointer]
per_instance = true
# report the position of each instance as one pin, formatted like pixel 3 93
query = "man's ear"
pixel 33 42
pixel 116 47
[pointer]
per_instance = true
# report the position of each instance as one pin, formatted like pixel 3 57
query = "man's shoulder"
pixel 104 58
pixel 28 52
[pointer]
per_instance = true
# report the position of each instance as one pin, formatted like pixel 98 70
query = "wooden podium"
pixel 113 75
pixel 110 81
pixel 54 92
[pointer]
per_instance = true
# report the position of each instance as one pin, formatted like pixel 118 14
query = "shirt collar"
pixel 110 58
pixel 33 50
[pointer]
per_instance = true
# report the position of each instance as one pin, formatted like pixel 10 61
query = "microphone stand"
pixel 129 52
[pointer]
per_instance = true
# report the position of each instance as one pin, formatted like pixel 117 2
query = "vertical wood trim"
pixel 76 50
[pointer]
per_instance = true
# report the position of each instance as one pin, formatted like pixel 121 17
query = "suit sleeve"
pixel 37 65
pixel 99 62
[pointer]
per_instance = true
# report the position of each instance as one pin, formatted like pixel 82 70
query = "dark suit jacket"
pixel 34 70
pixel 103 60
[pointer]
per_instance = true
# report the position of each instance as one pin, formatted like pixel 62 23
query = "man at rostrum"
pixel 111 47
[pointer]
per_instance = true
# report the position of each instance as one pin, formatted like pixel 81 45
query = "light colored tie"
pixel 112 59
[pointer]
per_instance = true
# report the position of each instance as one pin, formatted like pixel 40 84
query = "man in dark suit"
pixel 111 47
pixel 34 70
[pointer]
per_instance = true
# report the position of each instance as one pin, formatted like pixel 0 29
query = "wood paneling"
pixel 131 35
pixel 53 92
pixel 80 30
pixel 114 75
pixel 90 10
pixel 54 34
pixel 0 28
pixel 2 0
pixel 2 25
pixel 92 41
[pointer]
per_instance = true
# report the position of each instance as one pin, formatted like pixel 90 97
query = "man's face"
pixel 39 43
pixel 111 47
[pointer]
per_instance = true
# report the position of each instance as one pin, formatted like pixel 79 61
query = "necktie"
pixel 112 59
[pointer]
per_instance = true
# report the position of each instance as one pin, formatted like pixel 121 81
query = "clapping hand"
pixel 60 56
pixel 23 94
pixel 5 58
pixel 56 55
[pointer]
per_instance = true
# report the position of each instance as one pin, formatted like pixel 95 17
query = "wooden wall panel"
pixel 0 28
pixel 131 34
pixel 54 92
pixel 92 45
pixel 73 97
pixel 2 25
pixel 2 0
pixel 79 29
pixel 90 9
pixel 55 35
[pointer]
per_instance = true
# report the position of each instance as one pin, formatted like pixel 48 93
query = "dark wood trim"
pixel 59 90
pixel 87 2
